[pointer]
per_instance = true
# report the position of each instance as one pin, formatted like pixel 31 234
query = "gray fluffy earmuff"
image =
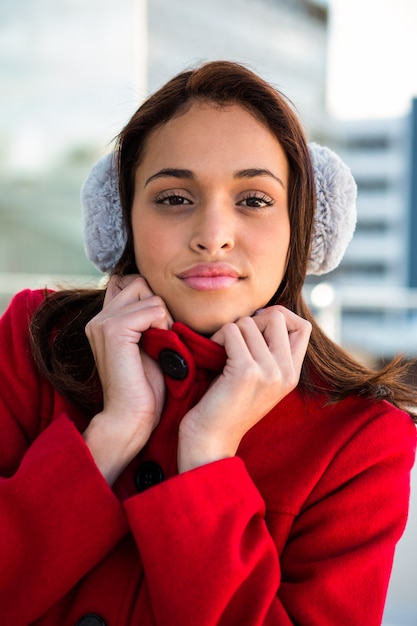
pixel 334 221
pixel 335 215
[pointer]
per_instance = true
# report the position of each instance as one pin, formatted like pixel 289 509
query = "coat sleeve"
pixel 58 517
pixel 211 559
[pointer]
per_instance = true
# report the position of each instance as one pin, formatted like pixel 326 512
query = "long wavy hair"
pixel 67 361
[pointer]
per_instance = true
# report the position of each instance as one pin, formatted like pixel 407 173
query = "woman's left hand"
pixel 265 354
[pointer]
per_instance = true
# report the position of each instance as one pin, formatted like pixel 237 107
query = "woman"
pixel 187 447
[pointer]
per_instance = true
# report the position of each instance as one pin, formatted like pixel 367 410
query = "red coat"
pixel 299 528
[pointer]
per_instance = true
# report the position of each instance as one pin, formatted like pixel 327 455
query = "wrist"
pixel 197 449
pixel 110 446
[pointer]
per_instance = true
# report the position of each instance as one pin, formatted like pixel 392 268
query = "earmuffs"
pixel 334 220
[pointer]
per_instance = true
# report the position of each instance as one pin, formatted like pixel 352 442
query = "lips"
pixel 210 276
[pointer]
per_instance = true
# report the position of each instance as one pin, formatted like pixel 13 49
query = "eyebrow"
pixel 170 172
pixel 255 172
pixel 179 173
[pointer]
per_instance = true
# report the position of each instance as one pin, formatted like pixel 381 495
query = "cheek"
pixel 146 258
pixel 153 254
pixel 274 255
pixel 143 255
pixel 273 248
pixel 146 240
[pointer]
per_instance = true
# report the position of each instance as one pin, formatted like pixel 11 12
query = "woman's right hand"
pixel 132 382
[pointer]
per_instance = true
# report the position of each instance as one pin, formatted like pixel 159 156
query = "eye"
pixel 256 200
pixel 172 198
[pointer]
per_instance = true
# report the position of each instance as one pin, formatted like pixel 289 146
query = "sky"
pixel 372 64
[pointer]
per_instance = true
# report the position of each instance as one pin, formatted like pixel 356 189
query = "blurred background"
pixel 73 72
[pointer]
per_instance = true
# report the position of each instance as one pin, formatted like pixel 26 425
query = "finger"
pixel 259 344
pixel 150 313
pixel 230 337
pixel 270 347
pixel 293 322
pixel 131 289
pixel 116 284
pixel 127 289
pixel 297 331
pixel 128 326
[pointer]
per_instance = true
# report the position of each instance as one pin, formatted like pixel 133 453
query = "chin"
pixel 204 328
pixel 202 322
pixel 206 319
pixel 207 324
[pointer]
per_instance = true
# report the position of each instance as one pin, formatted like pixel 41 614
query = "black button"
pixel 173 364
pixel 91 619
pixel 148 474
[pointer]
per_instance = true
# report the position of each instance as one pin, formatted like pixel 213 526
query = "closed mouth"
pixel 210 276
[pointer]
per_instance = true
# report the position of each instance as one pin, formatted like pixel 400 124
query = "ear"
pixel 104 231
pixel 335 214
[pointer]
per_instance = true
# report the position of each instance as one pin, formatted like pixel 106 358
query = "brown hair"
pixel 327 367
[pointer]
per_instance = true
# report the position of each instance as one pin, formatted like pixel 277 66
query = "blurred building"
pixel 40 228
pixel 70 75
pixel 378 153
pixel 283 40
pixel 374 283
pixel 49 137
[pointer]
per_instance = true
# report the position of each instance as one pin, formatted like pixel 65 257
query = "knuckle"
pixel 308 326
pixel 277 308
pixel 87 329
pixel 134 278
pixel 157 301
pixel 91 326
pixel 293 378
pixel 278 315
pixel 108 327
pixel 245 321
pixel 274 315
pixel 140 283
pixel 252 370
pixel 293 381
pixel 157 305
pixel 230 327
pixel 250 373
pixel 274 376
pixel 286 378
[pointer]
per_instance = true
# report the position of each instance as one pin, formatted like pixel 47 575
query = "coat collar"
pixel 196 351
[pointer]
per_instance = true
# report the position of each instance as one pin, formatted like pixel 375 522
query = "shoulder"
pixel 357 416
pixel 23 304
pixel 307 427
pixel 358 433
pixel 15 323
pixel 21 309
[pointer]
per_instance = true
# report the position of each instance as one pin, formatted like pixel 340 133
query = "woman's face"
pixel 210 215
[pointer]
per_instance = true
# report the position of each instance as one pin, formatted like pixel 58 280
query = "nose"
pixel 213 230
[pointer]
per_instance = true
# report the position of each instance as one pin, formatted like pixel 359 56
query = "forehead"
pixel 205 129
pixel 206 117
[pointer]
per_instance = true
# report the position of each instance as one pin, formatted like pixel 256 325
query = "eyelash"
pixel 266 200
pixel 168 197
